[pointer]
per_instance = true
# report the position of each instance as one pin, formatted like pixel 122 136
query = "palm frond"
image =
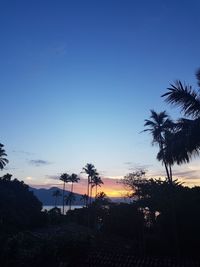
pixel 183 144
pixel 184 97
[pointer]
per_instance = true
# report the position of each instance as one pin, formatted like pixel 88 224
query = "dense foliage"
pixel 171 213
pixel 19 208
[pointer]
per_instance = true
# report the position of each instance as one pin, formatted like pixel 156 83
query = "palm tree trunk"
pixel 72 187
pixel 63 198
pixel 96 190
pixel 70 202
pixel 170 171
pixel 88 189
pixel 167 171
pixel 164 161
pixel 90 194
pixel 55 201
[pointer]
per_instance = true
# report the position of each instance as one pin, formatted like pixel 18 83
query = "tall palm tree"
pixel 186 140
pixel 3 160
pixel 73 178
pixel 160 125
pixel 95 182
pixel 90 170
pixel 65 178
pixel 56 194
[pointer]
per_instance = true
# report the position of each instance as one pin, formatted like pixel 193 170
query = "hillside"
pixel 45 196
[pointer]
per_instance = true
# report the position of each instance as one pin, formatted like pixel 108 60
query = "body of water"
pixel 61 207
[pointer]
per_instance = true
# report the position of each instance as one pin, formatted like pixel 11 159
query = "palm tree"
pixel 65 178
pixel 3 160
pixel 95 182
pixel 160 127
pixel 90 170
pixel 56 194
pixel 69 199
pixel 73 178
pixel 186 140
pixel 102 199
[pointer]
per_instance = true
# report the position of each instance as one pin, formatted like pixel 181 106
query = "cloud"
pixel 39 162
pixel 136 166
pixel 187 174
pixel 10 168
pixel 128 163
pixel 53 177
pixel 23 152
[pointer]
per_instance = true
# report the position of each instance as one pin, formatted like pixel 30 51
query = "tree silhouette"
pixel 56 194
pixel 95 182
pixel 73 178
pixel 65 178
pixel 3 160
pixel 90 170
pixel 6 177
pixel 19 209
pixel 185 142
pixel 160 125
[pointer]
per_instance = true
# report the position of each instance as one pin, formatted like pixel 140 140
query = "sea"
pixel 61 207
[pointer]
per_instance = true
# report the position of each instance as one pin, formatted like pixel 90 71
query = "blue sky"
pixel 78 78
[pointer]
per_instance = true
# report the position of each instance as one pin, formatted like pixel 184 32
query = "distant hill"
pixel 45 196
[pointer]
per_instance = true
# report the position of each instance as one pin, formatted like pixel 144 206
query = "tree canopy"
pixel 19 208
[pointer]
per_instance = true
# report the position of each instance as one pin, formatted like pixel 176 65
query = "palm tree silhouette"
pixel 3 160
pixel 90 170
pixel 185 142
pixel 65 178
pixel 160 125
pixel 56 194
pixel 73 178
pixel 95 182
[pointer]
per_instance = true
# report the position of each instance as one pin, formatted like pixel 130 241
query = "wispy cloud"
pixel 10 168
pixel 53 177
pixel 186 175
pixel 39 162
pixel 135 166
pixel 128 163
pixel 23 152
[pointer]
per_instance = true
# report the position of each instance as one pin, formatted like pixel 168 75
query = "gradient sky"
pixel 78 78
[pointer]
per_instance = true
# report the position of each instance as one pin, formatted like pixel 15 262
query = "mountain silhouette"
pixel 46 196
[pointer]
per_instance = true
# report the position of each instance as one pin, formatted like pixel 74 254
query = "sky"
pixel 78 79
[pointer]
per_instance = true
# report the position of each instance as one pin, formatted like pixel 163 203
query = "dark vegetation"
pixel 19 208
pixel 53 196
pixel 162 223
pixel 160 226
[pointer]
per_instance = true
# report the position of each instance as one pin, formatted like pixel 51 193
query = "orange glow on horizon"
pixel 115 193
pixel 111 187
